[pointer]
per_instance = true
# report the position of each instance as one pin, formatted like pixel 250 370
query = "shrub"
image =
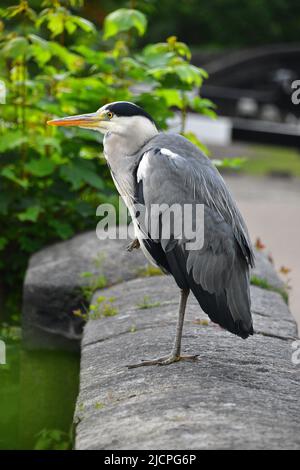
pixel 52 63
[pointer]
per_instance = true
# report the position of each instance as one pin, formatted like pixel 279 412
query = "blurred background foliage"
pixel 55 62
pixel 213 23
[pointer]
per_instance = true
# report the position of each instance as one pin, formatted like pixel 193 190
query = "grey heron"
pixel 151 167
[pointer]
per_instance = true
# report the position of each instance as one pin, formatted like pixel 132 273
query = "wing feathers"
pixel 218 273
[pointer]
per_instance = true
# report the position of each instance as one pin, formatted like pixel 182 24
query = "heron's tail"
pixel 220 311
pixel 238 298
pixel 230 307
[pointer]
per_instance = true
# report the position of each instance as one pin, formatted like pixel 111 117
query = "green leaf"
pixel 11 140
pixel 202 106
pixel 63 229
pixel 72 61
pixel 84 24
pixel 153 57
pixel 42 167
pixel 133 68
pixel 30 214
pixel 189 74
pixel 9 173
pixel 56 23
pixel 95 58
pixel 80 172
pixel 42 142
pixel 16 47
pixel 123 20
pixel 183 50
pixel 40 49
pixel 89 152
pixel 3 243
pixel 194 139
pixel 70 26
pixel 5 201
pixel 172 97
pixel 233 163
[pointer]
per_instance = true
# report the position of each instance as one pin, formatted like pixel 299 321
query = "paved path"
pixel 271 207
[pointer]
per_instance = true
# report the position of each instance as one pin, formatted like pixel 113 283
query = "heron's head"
pixel 121 117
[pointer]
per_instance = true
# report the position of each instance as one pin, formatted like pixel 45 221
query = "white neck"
pixel 127 137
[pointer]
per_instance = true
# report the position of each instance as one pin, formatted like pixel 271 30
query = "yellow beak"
pixel 81 120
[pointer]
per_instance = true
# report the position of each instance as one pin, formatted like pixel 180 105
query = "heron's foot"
pixel 134 244
pixel 164 361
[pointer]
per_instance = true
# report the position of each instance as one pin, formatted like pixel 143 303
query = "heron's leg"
pixel 175 354
pixel 182 306
pixel 134 244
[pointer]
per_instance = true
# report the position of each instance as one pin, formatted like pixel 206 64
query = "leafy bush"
pixel 53 439
pixel 52 63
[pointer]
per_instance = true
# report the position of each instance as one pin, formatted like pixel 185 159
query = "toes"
pixel 173 359
pixel 153 362
pixel 163 361
pixel 189 358
pixel 142 364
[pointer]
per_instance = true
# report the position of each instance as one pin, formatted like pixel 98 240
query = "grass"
pixel 266 160
pixel 93 281
pixel 264 284
pixel 146 303
pixel 103 307
pixel 99 405
pixel 133 329
pixel 149 271
pixel 53 439
pixel 201 322
pixel 96 282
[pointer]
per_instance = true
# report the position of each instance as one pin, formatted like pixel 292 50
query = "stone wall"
pixel 239 394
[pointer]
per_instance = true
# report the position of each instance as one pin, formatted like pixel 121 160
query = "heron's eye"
pixel 109 114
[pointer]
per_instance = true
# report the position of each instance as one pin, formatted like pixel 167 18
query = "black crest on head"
pixel 125 108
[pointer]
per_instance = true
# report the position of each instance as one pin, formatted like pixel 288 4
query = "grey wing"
pixel 217 272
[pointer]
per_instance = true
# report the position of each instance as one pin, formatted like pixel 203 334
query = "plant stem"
pixel 23 111
pixel 183 113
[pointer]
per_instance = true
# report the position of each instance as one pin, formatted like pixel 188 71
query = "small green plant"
pixel 201 322
pixel 102 308
pixel 99 260
pixel 96 281
pixel 236 163
pixel 10 333
pixel 149 271
pixel 264 284
pixel 53 439
pixel 260 282
pixel 146 303
pixel 81 407
pixel 99 405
